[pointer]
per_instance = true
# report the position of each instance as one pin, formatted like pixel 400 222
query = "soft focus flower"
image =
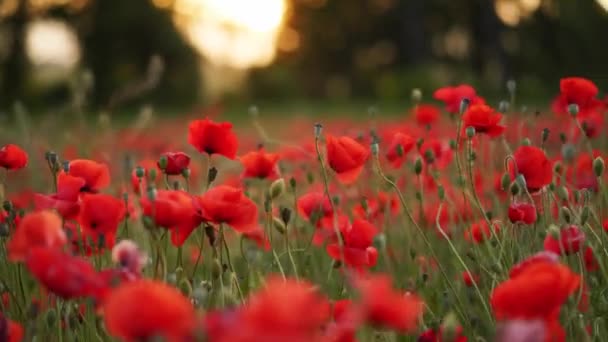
pixel 532 163
pixel 100 216
pixel 520 212
pixel 96 175
pixel 12 157
pixel 568 240
pixel 37 229
pixel 484 119
pixel 357 250
pixel 176 162
pixel 399 148
pixel 260 164
pixel 480 231
pixel 453 96
pixel 213 138
pixel 67 199
pixel 346 157
pixel 228 205
pixel 140 310
pixel 426 114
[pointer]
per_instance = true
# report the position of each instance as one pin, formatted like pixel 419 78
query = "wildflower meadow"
pixel 458 220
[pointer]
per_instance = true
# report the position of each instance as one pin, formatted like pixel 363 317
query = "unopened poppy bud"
pixel 598 166
pixel 51 317
pixel 65 165
pixel 286 215
pixel 186 173
pixel 563 138
pixel 375 148
pixel 526 142
pixel 568 152
pixel 573 109
pixel 419 142
pixel 278 225
pixel 216 269
pixel 211 175
pixel 318 130
pixel 140 172
pixel 51 158
pixel 522 181
pixel 172 279
pixel 336 200
pixel 148 222
pixel 505 181
pixel 464 105
pixel 558 167
pixel 453 144
pixel 585 213
pixel 418 166
pixel 514 189
pixel 545 134
pixel 565 214
pixel 554 231
pixel 511 86
pixel 277 188
pixel 470 132
pixel 152 175
pixel 7 206
pixel 416 95
pixel 472 156
pixel 429 156
pixel 364 205
pixel 292 183
pixel 254 111
pixel 503 106
pixel 450 327
pixel 162 162
pixel 380 241
pixel 151 192
pixel 562 193
pixel 441 192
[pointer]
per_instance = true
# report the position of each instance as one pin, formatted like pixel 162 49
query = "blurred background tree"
pixel 176 52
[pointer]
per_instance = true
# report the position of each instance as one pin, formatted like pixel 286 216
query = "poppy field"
pixel 459 220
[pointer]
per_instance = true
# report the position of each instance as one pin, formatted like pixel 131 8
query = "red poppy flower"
pixel 591 264
pixel 161 311
pixel 537 291
pixel 358 251
pixel 258 236
pixel 12 157
pixel 579 91
pixel 441 151
pixel 38 229
pixel 591 122
pixel 346 157
pixel 377 207
pixel 213 138
pixel 540 257
pixel 228 205
pixel 100 216
pixel 64 275
pixel 453 96
pixel 581 174
pixel 273 314
pixel 437 335
pixel 314 205
pixel 484 119
pixel 96 175
pixel 385 307
pixel 532 163
pixel 568 240
pixel 426 114
pixel 480 231
pixel 399 148
pixel 259 164
pixel 174 210
pixel 522 213
pixel 10 331
pixel 66 200
pixel 469 279
pixel 177 162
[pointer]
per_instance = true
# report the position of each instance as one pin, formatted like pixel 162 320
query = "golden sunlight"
pixel 239 34
pixel 603 4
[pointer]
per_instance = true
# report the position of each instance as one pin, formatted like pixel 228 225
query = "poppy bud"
pixel 453 144
pixel 186 173
pixel 526 142
pixel 562 193
pixel 172 279
pixel 563 138
pixel 565 214
pixel 51 317
pixel 310 178
pixel 148 222
pixel 472 156
pixel 470 132
pixel 511 86
pixel 375 148
pixel 598 166
pixel 558 167
pixel 65 165
pixel 254 111
pixel 211 175
pixel 441 192
pixel 277 188
pixel 585 215
pixel 416 95
pixel 418 166
pixel 318 130
pixel 151 192
pixel 505 181
pixel 51 158
pixel 7 206
pixel 216 269
pixel 514 189
pixel 140 172
pixel 503 106
pixel 573 109
pixel 278 225
pixel 285 215
pixel 464 105
pixel 162 162
pixel 568 152
pixel 545 134
pixel 380 241
pixel 292 183
pixel 521 180
pixel 152 175
pixel 429 156
pixel 419 143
